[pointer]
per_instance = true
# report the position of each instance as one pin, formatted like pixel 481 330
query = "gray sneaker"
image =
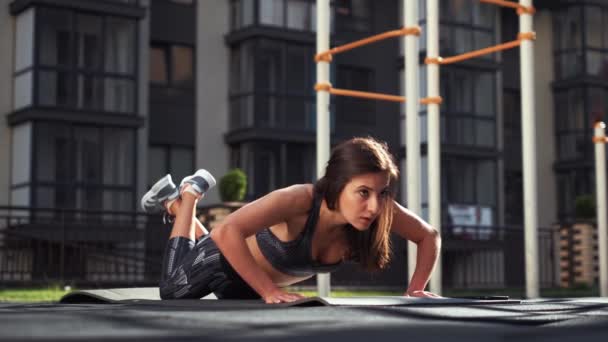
pixel 201 181
pixel 163 190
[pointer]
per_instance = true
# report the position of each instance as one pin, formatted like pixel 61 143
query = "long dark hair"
pixel 370 248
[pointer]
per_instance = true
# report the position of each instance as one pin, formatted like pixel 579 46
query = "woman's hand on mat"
pixel 422 294
pixel 280 296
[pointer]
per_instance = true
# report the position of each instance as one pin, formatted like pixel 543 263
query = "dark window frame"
pixel 35 184
pixel 168 57
pixel 74 71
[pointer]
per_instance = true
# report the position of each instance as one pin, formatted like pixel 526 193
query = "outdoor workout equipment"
pixel 600 141
pixel 411 34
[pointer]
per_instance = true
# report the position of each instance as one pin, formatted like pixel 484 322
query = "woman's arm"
pixel 411 227
pixel 269 210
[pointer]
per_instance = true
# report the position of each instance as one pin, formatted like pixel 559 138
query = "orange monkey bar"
pixel 369 95
pixel 326 56
pixel 505 46
pixel 520 8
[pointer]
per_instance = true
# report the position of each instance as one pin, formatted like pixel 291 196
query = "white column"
pixel 528 125
pixel 412 127
pixel 602 210
pixel 323 133
pixel 433 141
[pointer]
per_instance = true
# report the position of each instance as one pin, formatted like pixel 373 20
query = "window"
pixel 470 105
pixel 470 181
pixel 466 25
pixel 271 85
pixel 172 65
pixel 83 61
pixel 573 127
pixel 353 15
pixel 299 15
pixel 85 167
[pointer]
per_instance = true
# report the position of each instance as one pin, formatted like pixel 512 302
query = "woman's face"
pixel 363 199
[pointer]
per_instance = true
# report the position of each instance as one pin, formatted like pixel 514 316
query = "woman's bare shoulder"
pixel 298 196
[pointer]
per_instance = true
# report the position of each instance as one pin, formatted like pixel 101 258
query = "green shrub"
pixel 233 186
pixel 584 206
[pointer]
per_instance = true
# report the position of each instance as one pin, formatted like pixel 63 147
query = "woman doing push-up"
pixel 292 233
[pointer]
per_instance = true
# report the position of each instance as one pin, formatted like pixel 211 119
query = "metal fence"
pixel 95 248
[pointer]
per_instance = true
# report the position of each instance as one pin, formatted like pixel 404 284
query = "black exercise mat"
pixel 151 295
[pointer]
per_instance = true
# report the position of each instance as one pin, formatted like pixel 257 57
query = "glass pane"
pixel 299 64
pixel 158 65
pixel 118 156
pixel 576 110
pixel 483 14
pixel 24 40
pixel 597 64
pixel 593 21
pixel 21 148
pixel 53 150
pixel 157 164
pixel 55 88
pixel 271 12
pixel 248 12
pixel 298 16
pixel 55 38
pixel 87 155
pixel 90 92
pixel 246 67
pixel 486 133
pixel 22 95
pixel 597 104
pixel 119 95
pixel 484 94
pixel 483 39
pixel 120 48
pixel 182 66
pixel 88 34
pixel 235 12
pixel 463 40
pixel 460 11
pixel 118 201
pixel 571 64
pixel 486 182
pixel 182 162
pixel 269 66
pixel 461 93
pixel 572 36
pixel 460 182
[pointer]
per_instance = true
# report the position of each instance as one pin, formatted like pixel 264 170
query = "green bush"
pixel 233 186
pixel 584 206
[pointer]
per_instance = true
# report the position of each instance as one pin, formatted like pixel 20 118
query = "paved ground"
pixel 579 320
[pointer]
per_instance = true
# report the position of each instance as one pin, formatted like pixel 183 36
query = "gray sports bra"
pixel 295 257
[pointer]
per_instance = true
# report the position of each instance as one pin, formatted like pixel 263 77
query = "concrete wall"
pixel 545 137
pixel 142 93
pixel 6 93
pixel 212 76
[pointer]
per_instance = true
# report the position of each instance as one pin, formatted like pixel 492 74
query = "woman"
pixel 293 233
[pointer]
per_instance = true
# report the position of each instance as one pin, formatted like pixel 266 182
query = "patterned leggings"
pixel 193 270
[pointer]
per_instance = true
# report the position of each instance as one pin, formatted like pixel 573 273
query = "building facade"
pixel 100 98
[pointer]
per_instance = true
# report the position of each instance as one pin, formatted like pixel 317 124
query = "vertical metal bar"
pixel 528 106
pixel 602 219
pixel 412 126
pixel 433 142
pixel 323 134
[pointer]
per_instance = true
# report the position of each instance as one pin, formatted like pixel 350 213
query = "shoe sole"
pixel 155 190
pixel 204 174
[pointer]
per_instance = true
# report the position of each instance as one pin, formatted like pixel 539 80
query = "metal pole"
pixel 323 134
pixel 528 112
pixel 433 142
pixel 412 127
pixel 600 181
